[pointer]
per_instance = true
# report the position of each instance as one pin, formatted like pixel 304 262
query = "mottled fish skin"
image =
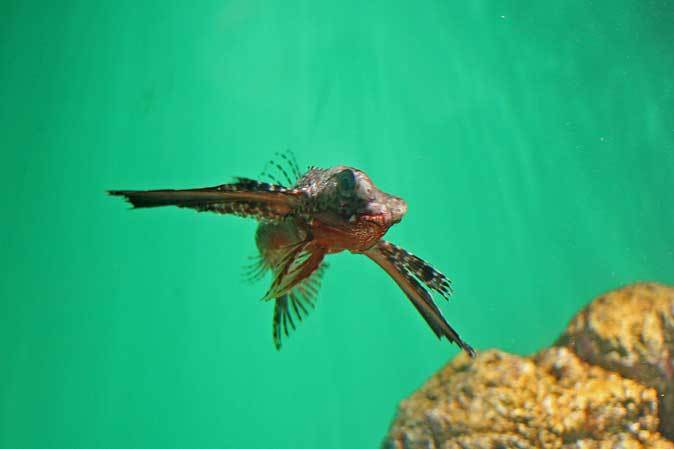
pixel 347 192
pixel 324 211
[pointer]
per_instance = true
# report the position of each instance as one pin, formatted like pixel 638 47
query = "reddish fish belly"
pixel 357 237
pixel 273 238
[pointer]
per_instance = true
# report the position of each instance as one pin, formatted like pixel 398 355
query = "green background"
pixel 533 142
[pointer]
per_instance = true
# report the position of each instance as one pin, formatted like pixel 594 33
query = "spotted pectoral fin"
pixel 295 305
pixel 245 197
pixel 416 293
pixel 421 269
pixel 300 261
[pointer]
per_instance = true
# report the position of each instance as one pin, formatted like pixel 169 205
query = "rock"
pixel 553 400
pixel 607 384
pixel 631 331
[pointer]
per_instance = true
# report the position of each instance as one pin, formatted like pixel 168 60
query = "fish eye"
pixel 346 180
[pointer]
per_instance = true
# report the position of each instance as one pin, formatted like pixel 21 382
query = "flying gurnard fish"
pixel 324 211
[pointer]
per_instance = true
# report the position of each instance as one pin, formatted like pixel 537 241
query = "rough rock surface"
pixel 607 396
pixel 631 331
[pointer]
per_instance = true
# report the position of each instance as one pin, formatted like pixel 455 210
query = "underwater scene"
pixel 400 225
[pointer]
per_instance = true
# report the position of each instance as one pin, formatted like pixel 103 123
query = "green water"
pixel 533 142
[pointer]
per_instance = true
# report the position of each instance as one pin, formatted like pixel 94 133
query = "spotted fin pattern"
pixel 390 259
pixel 404 260
pixel 245 197
pixel 297 303
pixel 252 185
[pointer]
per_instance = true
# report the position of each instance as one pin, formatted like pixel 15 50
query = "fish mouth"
pixel 384 214
pixel 381 219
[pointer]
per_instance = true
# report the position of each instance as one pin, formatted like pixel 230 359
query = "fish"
pixel 303 217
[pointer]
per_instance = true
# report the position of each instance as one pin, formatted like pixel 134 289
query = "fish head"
pixel 357 199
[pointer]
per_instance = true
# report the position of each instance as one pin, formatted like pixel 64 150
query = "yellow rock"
pixel 601 387
pixel 631 331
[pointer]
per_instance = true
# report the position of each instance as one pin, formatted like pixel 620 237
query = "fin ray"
pixel 417 295
pixel 294 302
pixel 245 197
pixel 421 269
pixel 298 264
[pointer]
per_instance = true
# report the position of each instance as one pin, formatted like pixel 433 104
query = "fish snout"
pixel 398 208
pixel 387 212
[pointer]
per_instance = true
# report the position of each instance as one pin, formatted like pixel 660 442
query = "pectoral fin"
pixel 300 261
pixel 246 197
pixel 384 254
pixel 415 265
pixel 295 305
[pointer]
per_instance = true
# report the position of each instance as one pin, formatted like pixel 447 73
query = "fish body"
pixel 325 211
